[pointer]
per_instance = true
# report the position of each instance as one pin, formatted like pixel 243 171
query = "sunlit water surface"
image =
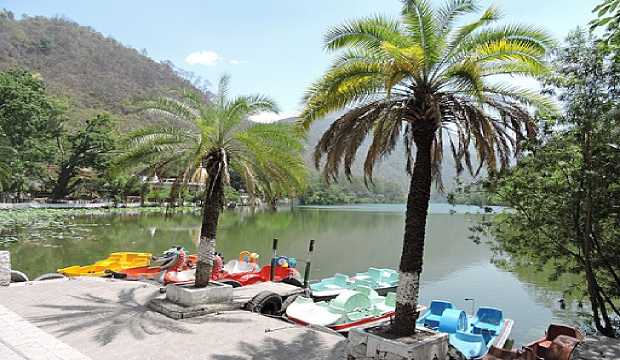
pixel 349 239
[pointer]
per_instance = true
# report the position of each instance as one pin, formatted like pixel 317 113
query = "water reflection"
pixel 348 240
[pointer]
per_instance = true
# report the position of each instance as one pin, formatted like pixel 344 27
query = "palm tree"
pixel 221 141
pixel 425 79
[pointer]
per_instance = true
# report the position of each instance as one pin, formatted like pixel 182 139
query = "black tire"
pixel 117 275
pixel 49 276
pixel 233 283
pixel 293 281
pixel 288 301
pixel 265 302
pixel 18 276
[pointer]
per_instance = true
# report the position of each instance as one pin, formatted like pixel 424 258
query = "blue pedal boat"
pixel 382 281
pixel 472 336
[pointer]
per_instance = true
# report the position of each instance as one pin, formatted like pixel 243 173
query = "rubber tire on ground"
pixel 265 302
pixel 233 283
pixel 288 301
pixel 293 281
pixel 18 276
pixel 49 276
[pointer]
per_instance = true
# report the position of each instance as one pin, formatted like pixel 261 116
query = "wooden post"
pixel 308 264
pixel 274 255
pixel 5 268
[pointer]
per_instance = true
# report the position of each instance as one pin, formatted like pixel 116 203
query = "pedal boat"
pixel 558 343
pixel 360 308
pixel 115 262
pixel 471 336
pixel 382 281
pixel 157 267
pixel 244 271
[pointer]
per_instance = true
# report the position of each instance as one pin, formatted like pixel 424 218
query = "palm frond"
pixel 366 33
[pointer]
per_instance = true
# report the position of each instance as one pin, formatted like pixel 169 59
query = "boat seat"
pixel 489 320
pixel 375 274
pixel 359 283
pixel 341 280
pixel 349 301
pixel 556 330
pixel 432 317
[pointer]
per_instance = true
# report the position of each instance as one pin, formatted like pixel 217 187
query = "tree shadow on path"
pixel 111 318
pixel 305 346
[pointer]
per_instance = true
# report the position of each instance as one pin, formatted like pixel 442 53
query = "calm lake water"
pixel 348 239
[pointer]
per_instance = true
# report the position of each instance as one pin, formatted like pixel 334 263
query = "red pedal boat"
pixel 244 271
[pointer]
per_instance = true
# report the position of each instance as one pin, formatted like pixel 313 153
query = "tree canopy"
pixel 263 155
pixel 386 65
pixel 566 192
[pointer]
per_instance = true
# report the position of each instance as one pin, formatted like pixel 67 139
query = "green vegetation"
pixel 93 73
pixel 477 193
pixel 29 123
pixel 356 191
pixel 426 80
pixel 266 157
pixel 88 150
pixel 566 192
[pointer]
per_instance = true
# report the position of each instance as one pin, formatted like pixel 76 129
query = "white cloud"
pixel 268 117
pixel 209 58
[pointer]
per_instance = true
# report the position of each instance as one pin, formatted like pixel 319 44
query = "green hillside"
pixel 90 71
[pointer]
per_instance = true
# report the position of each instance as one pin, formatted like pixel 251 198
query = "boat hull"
pixel 359 324
pixel 326 295
pixel 114 263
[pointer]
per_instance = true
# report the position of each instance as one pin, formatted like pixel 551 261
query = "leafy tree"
pixel 608 17
pixel 225 140
pixel 6 154
pixel 318 192
pixel 90 147
pixel 29 122
pixel 427 80
pixel 566 193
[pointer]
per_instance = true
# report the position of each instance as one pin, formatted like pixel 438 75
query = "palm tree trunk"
pixel 211 208
pixel 413 243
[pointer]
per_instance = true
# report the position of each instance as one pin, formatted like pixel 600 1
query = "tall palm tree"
pixel 425 79
pixel 221 140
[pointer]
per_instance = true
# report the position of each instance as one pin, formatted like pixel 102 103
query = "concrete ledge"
pixel 5 268
pixel 177 312
pixel 215 293
pixel 366 346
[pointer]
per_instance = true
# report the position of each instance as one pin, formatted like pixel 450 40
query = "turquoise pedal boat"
pixel 472 336
pixel 382 281
pixel 361 308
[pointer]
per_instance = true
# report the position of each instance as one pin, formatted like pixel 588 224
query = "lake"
pixel 349 239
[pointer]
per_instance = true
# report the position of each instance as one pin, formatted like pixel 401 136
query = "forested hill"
pixel 391 168
pixel 90 71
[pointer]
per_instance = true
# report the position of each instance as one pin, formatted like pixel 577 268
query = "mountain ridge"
pixel 88 70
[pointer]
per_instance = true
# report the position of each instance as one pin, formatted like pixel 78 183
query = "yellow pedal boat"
pixel 115 262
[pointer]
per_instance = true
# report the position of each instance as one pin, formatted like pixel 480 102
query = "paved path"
pixel 21 340
pixel 108 319
pixel 599 348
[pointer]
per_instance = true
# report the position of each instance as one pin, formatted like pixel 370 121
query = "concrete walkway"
pixel 108 319
pixel 599 348
pixel 20 340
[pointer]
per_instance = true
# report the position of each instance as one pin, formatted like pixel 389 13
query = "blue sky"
pixel 268 46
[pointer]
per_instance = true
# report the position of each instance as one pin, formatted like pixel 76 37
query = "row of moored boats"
pixel 341 302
